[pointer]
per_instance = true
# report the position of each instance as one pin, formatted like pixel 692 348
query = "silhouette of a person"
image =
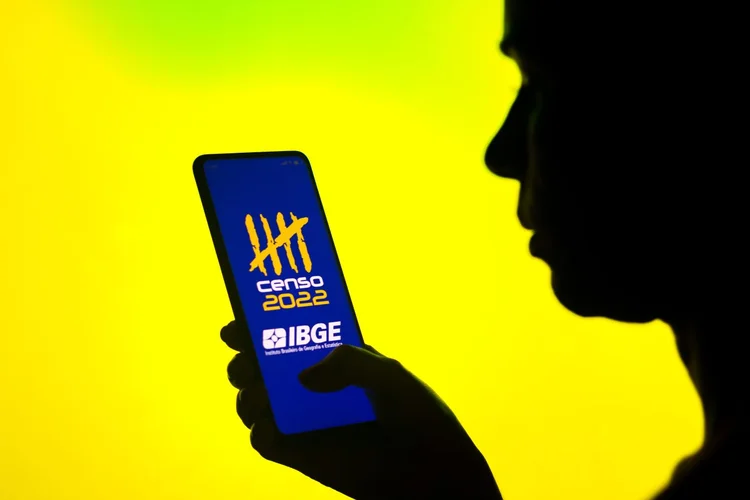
pixel 620 141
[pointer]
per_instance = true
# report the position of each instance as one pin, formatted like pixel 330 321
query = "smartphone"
pixel 284 280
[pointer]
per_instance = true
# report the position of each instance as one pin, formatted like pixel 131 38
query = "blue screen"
pixel 290 285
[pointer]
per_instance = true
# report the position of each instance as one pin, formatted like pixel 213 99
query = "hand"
pixel 418 450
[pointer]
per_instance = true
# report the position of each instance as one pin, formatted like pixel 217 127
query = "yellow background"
pixel 112 374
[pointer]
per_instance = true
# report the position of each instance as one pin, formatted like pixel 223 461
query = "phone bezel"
pixel 199 173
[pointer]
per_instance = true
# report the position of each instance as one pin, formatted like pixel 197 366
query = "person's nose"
pixel 507 154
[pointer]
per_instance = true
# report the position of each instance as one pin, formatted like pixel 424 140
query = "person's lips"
pixel 539 245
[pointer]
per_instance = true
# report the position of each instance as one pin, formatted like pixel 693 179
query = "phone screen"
pixel 289 282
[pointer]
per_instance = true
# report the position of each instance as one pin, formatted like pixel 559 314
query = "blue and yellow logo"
pixel 288 293
pixel 286 233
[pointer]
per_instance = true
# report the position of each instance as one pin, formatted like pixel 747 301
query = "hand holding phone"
pixel 310 388
pixel 417 450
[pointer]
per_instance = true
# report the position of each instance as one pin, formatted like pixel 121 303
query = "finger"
pixel 236 337
pixel 348 365
pixel 305 455
pixel 241 370
pixel 264 438
pixel 252 404
pixel 372 349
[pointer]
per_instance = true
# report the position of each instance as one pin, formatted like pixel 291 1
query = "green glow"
pixel 430 53
pixel 200 35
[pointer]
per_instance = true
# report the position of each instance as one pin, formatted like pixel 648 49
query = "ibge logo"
pixel 274 338
pixel 302 337
pixel 290 293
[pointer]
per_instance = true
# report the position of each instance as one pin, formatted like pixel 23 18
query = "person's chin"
pixel 591 299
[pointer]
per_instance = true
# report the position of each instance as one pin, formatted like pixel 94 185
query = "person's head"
pixel 613 136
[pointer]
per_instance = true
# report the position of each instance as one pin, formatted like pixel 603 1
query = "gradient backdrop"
pixel 112 374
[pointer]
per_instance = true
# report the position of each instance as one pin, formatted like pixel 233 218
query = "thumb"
pixel 349 365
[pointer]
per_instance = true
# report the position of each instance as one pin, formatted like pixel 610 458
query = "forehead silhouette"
pixel 600 32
